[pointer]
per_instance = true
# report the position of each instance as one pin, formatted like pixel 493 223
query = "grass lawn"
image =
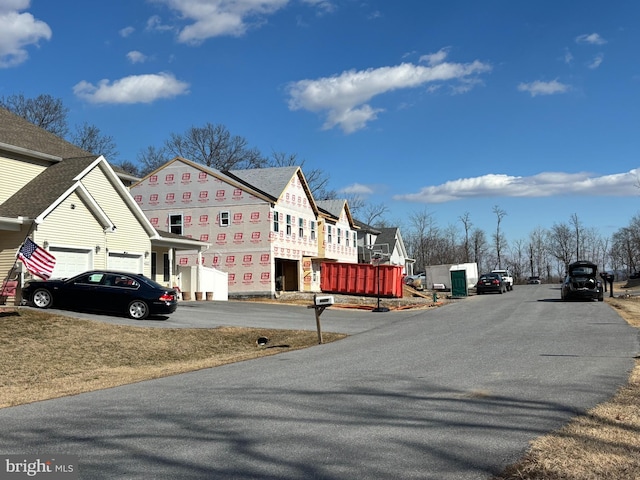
pixel 46 356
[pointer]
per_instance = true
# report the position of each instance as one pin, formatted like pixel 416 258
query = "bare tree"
pixel 89 138
pixel 422 231
pixel 560 243
pixel 44 111
pixel 518 260
pixel 215 147
pixel 373 214
pixel 480 247
pixel 317 179
pixel 466 222
pixel 498 238
pixel 537 251
pixel 577 226
pixel 129 167
pixel 152 158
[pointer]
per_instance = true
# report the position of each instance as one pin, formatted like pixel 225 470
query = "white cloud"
pixel 18 31
pixel 544 88
pixel 135 56
pixel 126 31
pixel 213 18
pixel 154 23
pixel 568 56
pixel 357 189
pixel 324 6
pixel 435 58
pixel 344 97
pixel 545 184
pixel 592 38
pixel 133 89
pixel 597 60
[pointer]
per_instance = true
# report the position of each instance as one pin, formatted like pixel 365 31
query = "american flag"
pixel 37 260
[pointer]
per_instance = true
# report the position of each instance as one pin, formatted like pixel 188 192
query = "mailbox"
pixel 323 300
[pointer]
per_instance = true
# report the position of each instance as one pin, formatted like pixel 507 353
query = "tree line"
pixel 545 253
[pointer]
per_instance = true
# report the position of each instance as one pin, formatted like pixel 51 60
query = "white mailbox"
pixel 323 300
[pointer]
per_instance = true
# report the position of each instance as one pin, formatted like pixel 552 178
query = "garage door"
pixel 125 262
pixel 70 261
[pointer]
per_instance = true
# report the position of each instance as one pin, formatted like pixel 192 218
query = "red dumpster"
pixel 361 279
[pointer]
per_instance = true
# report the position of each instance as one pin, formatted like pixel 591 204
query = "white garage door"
pixel 70 261
pixel 125 262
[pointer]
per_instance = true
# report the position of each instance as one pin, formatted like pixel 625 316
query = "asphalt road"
pixel 450 393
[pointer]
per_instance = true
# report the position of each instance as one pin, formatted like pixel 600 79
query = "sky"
pixel 441 108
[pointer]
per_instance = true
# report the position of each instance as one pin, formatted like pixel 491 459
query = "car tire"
pixel 42 298
pixel 138 310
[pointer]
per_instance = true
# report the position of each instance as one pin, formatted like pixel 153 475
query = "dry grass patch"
pixel 604 444
pixel 46 356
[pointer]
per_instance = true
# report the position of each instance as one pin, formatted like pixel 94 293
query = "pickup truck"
pixel 506 277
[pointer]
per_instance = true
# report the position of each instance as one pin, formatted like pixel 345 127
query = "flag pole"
pixel 7 279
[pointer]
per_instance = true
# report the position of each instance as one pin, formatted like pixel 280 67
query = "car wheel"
pixel 42 298
pixel 138 310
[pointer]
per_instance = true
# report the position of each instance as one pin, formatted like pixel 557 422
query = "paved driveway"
pixel 255 314
pixel 451 393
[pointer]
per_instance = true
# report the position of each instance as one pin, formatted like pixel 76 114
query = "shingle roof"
pixel 271 181
pixel 16 131
pixel 387 236
pixel 334 207
pixel 37 195
pixel 366 228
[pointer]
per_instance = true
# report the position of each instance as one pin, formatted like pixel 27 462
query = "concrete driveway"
pixel 205 314
pixel 451 393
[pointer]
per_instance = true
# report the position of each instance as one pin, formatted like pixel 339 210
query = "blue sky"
pixel 446 107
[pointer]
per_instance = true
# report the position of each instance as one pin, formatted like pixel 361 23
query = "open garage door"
pixel 125 262
pixel 70 261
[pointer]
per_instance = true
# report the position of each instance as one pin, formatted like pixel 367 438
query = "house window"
pixel 165 268
pixel 355 239
pixel 224 219
pixel 175 224
pixel 313 230
pixel 301 227
pixel 154 267
pixel 346 237
pixel 288 224
pixel 276 222
pixel 339 236
pixel 329 234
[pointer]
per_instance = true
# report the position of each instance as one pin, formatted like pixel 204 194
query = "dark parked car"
pixel 490 282
pixel 582 282
pixel 104 291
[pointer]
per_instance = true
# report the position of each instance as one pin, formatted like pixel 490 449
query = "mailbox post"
pixel 610 281
pixel 320 302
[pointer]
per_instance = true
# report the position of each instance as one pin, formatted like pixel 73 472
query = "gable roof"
pixel 43 190
pixel 273 181
pixel 366 228
pixel 391 236
pixel 210 171
pixel 21 136
pixel 334 209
